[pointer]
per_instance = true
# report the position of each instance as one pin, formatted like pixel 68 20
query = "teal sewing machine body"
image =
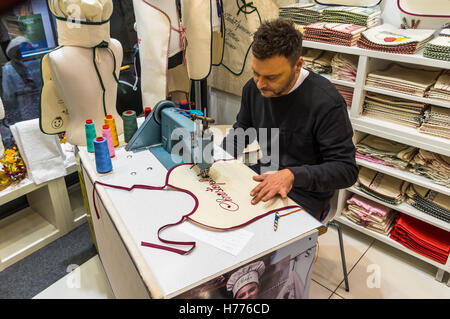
pixel 175 136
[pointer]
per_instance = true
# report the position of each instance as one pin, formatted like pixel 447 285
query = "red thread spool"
pixel 148 110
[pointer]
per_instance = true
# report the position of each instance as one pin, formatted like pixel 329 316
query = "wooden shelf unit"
pixel 54 210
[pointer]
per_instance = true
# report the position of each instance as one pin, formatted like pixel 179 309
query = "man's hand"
pixel 272 183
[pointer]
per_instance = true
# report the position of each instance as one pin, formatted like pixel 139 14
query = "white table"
pixel 128 218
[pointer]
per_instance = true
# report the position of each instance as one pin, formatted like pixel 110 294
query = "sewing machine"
pixel 176 136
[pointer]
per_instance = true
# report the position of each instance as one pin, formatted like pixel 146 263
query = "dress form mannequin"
pixel 79 87
pixel 82 72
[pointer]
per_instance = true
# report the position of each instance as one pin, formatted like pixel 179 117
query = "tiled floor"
pixel 376 271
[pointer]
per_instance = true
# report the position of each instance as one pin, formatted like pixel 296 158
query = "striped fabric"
pixel 370 214
pixel 436 122
pixel 433 166
pixel 387 38
pixel 383 187
pixel 389 152
pixel 402 79
pixel 429 202
pixel 302 13
pixel 334 33
pixel 367 17
pixel 393 109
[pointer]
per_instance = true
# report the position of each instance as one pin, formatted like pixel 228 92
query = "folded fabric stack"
pixel 388 152
pixel 403 79
pixel 370 214
pixel 441 89
pixel 367 17
pixel 346 92
pixel 423 238
pixel 383 187
pixel 393 109
pixel 334 33
pixel 344 67
pixel 387 38
pixel 317 60
pixel 433 166
pixel 436 122
pixel 302 13
pixel 429 202
pixel 438 48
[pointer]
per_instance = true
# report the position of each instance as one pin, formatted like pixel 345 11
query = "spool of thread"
pixel 184 105
pixel 106 132
pixel 89 128
pixel 111 122
pixel 147 111
pixel 102 159
pixel 129 124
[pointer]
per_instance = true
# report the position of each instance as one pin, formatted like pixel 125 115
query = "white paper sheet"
pixel 230 241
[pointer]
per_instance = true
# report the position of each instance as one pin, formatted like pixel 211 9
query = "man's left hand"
pixel 272 183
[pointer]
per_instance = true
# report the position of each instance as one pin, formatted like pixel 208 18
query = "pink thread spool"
pixel 106 133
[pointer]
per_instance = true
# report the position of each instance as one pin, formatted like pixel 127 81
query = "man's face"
pixel 249 291
pixel 275 76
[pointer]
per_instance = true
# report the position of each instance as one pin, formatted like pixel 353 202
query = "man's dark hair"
pixel 277 37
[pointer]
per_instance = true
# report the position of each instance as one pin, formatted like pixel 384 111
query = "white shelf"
pixel 333 47
pixel 401 134
pixel 407 96
pixel 406 176
pixel 406 209
pixel 385 239
pixel 340 82
pixel 417 58
pixel 26 186
pixel 22 234
pixel 51 214
pixel 15 191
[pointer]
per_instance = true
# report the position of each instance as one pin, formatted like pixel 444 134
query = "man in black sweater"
pixel 298 113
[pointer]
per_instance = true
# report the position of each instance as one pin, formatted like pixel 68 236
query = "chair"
pixel 328 221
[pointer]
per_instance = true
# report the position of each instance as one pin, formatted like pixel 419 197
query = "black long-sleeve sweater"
pixel 315 138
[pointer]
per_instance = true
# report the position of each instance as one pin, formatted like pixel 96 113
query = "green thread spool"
pixel 89 127
pixel 129 124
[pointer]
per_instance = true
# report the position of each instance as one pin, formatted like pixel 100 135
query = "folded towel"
pixel 423 238
pixel 41 153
